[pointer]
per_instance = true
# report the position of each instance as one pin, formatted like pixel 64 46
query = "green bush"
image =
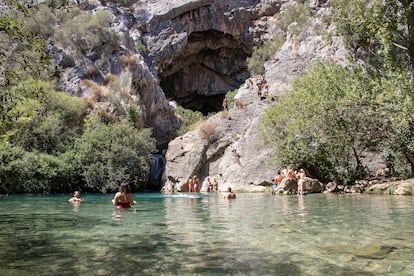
pixel 111 153
pixel 189 119
pixel 89 34
pixel 260 55
pixel 45 120
pixel 297 12
pixel 333 116
pixel 42 22
pixel 30 172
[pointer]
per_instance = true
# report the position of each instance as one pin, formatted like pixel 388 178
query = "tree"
pixel 381 35
pixel 333 116
pixel 22 54
pixel 111 153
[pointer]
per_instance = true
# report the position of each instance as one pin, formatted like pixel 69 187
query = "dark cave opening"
pixel 212 64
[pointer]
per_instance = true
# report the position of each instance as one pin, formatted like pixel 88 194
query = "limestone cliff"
pixel 235 154
pixel 196 51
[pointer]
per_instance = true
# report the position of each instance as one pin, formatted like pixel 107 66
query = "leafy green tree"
pixel 31 172
pixel 333 116
pixel 44 120
pixel 23 54
pixel 379 32
pixel 111 153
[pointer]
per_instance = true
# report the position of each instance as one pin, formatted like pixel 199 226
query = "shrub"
pixel 230 97
pixel 189 119
pixel 42 22
pixel 89 34
pixel 47 123
pixel 112 153
pixel 260 55
pixel 297 12
pixel 207 129
pixel 30 172
pixel 127 61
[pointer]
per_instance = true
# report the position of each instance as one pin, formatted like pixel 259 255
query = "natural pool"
pixel 255 234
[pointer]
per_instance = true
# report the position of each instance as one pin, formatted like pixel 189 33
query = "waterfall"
pixel 157 169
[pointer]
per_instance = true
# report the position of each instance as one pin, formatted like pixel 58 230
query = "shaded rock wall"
pixel 199 48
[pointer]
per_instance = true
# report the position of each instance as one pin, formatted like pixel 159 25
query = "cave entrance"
pixel 212 64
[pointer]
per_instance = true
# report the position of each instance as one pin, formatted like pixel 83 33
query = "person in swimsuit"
pixel 230 194
pixel 123 198
pixel 277 180
pixel 302 177
pixel 190 184
pixel 75 197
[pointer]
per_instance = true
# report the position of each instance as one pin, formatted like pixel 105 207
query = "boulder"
pixel 332 187
pixel 288 186
pixel 402 191
pixel 311 185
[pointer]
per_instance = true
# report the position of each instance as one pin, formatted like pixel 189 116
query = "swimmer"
pixel 123 198
pixel 230 194
pixel 75 197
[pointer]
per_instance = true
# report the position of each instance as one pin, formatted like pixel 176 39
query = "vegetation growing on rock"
pixel 51 141
pixel 334 116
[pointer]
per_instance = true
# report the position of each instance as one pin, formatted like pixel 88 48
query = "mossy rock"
pixel 373 251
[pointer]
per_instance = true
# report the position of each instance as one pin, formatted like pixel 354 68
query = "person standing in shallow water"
pixel 123 198
pixel 196 183
pixel 190 184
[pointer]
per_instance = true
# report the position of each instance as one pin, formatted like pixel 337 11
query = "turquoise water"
pixel 255 234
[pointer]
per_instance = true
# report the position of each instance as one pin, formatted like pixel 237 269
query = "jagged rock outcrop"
pixel 243 161
pixel 195 52
pixel 199 48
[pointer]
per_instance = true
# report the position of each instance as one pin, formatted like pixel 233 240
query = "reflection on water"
pixel 206 234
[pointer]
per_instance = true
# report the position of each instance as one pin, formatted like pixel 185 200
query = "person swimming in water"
pixel 123 198
pixel 230 194
pixel 75 197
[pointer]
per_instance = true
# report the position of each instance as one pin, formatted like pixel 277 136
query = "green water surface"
pixel 204 234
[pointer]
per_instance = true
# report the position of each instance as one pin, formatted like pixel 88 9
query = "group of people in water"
pixel 123 199
pixel 300 176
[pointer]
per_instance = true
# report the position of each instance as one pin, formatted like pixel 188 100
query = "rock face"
pixel 199 48
pixel 195 52
pixel 236 154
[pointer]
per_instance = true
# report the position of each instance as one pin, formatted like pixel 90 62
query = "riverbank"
pixel 390 186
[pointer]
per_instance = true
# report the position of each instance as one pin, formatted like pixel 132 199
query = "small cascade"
pixel 155 181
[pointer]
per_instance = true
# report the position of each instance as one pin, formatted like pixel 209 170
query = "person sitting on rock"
pixel 277 181
pixel 266 90
pixel 290 173
pixel 259 84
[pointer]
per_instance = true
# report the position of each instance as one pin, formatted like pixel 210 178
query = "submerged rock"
pixel 373 251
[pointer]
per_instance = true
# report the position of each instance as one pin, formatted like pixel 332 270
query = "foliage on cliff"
pixel 334 116
pixel 49 140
